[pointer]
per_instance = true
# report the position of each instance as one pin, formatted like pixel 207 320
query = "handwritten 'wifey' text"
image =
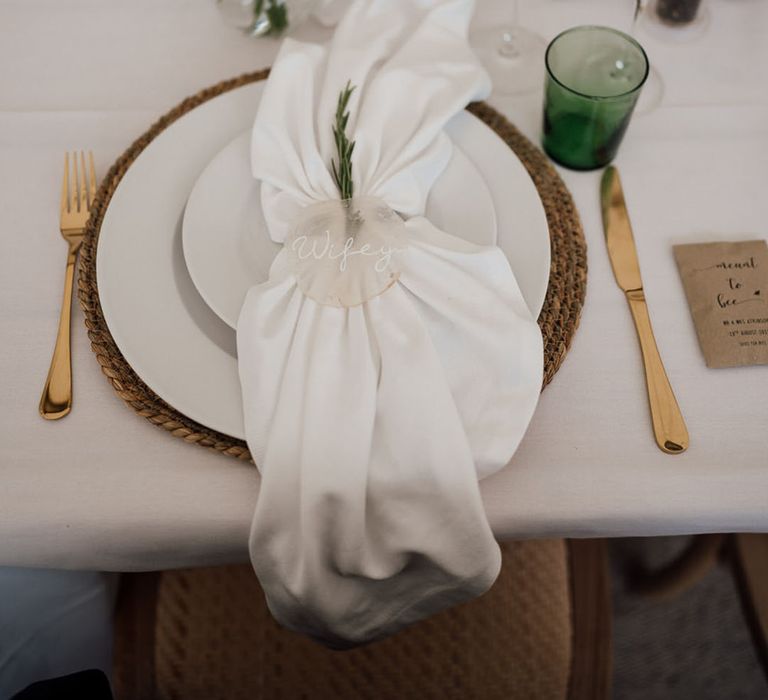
pixel 321 248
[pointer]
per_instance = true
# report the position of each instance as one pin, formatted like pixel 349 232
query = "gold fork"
pixel 76 199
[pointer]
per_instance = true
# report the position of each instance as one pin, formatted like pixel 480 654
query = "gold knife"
pixel 668 424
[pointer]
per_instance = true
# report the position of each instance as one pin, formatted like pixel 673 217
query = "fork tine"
pixel 65 185
pixel 92 177
pixel 73 190
pixel 83 185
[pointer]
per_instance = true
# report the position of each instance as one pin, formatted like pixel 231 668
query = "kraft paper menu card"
pixel 727 289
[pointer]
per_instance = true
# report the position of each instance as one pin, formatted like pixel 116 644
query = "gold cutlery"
pixel 668 424
pixel 77 192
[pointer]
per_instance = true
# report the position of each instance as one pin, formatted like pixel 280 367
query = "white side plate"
pixel 227 247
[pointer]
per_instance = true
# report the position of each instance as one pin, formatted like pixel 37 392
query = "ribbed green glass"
pixel 594 76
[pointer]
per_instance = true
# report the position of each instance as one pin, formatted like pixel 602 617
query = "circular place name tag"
pixel 346 252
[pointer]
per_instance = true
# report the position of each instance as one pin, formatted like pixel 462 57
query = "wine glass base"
pixel 651 94
pixel 654 26
pixel 513 57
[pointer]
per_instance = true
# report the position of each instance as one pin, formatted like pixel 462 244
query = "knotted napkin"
pixel 371 417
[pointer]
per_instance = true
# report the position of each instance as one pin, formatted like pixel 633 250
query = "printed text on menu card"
pixel 727 289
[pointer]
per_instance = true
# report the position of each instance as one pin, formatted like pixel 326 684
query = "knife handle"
pixel 668 424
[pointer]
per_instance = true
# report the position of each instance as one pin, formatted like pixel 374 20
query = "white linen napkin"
pixel 371 425
pixel 329 12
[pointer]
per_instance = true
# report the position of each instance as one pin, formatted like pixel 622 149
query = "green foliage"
pixel 277 14
pixel 342 172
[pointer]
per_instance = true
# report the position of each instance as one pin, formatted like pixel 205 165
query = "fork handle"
pixel 56 401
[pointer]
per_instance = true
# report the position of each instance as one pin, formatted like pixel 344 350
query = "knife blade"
pixel 669 428
pixel 618 232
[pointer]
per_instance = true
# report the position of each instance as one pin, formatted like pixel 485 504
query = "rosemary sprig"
pixel 342 172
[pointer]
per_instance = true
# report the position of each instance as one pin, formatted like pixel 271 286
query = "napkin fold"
pixel 371 425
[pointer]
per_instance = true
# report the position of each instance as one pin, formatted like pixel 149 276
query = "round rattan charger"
pixel 558 319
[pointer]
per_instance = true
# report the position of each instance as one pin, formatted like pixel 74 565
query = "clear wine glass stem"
pixel 639 7
pixel 509 45
pixel 653 90
pixel 512 55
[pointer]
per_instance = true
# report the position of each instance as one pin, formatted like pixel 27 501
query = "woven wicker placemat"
pixel 558 319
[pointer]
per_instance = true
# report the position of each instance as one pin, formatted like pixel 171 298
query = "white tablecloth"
pixel 103 489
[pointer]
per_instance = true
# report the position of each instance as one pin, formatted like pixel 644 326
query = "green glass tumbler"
pixel 594 77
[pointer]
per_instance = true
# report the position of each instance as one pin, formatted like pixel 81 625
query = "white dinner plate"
pixel 165 330
pixel 227 246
